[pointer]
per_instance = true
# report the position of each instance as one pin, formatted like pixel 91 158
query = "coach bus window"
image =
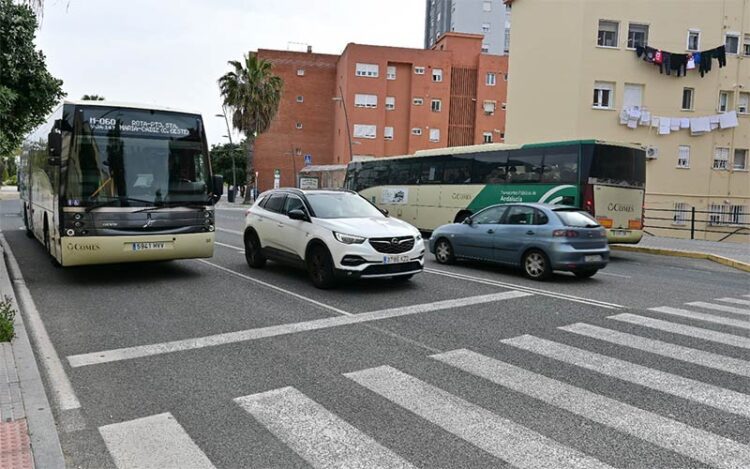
pixel 432 173
pixel 525 168
pixel 404 173
pixel 560 166
pixel 490 167
pixel 457 172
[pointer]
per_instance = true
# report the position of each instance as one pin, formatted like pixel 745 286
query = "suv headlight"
pixel 418 237
pixel 348 239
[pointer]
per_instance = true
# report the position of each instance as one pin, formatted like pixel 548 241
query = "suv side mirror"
pixel 298 214
pixel 54 148
pixel 385 211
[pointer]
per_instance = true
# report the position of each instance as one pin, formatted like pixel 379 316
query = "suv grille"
pixel 394 245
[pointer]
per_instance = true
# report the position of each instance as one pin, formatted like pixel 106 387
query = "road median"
pixel 739 265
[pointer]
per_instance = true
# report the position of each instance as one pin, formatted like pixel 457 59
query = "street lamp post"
pixel 346 119
pixel 229 136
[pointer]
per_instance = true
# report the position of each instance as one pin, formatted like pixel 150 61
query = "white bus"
pixel 445 185
pixel 103 182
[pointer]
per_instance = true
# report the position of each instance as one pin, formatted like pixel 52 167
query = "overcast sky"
pixel 171 52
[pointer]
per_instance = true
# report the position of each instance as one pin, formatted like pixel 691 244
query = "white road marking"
pixel 154 442
pixel 661 431
pixel 505 439
pixel 665 349
pixel 229 246
pixel 612 274
pixel 536 291
pixel 722 308
pixel 315 434
pixel 682 329
pixel 279 289
pixel 234 232
pixel 702 317
pixel 713 396
pixel 62 390
pixel 139 351
pixel 735 301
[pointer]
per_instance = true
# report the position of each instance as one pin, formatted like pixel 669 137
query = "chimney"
pixel 309 49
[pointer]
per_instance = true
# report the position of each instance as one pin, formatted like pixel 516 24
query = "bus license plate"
pixel 620 233
pixel 149 246
pixel 395 259
pixel 596 258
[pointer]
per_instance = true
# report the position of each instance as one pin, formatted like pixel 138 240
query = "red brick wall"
pixel 324 131
pixel 274 149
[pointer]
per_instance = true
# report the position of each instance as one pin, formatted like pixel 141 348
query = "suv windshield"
pixel 577 218
pixel 341 205
pixel 134 157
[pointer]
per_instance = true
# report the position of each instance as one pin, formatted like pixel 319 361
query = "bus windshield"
pixel 617 165
pixel 129 157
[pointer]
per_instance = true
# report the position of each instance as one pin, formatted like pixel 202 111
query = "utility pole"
pixel 229 136
pixel 346 119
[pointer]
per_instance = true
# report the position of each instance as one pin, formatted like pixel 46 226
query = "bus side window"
pixel 560 166
pixel 457 172
pixel 490 167
pixel 525 168
pixel 432 172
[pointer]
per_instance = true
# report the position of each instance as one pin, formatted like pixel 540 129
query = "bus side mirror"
pixel 54 148
pixel 217 183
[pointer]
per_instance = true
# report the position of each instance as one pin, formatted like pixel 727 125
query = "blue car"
pixel 539 238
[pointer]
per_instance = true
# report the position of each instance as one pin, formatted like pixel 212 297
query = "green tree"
pixel 221 160
pixel 252 93
pixel 92 97
pixel 27 90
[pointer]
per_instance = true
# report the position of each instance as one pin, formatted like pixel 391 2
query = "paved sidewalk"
pixel 28 435
pixel 735 255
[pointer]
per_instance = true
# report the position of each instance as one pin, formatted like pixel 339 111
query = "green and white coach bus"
pixel 105 183
pixel 435 187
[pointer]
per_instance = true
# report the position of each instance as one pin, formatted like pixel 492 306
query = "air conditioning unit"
pixel 652 152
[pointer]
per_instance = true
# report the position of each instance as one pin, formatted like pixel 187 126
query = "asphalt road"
pixel 211 364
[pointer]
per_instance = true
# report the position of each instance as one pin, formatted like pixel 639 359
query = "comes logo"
pixel 615 207
pixel 83 247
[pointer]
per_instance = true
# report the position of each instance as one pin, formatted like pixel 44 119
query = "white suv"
pixel 333 234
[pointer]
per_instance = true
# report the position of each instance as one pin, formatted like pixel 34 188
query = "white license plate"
pixel 149 246
pixel 395 259
pixel 620 233
pixel 596 258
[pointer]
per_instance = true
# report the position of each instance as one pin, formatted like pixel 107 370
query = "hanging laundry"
pixel 720 54
pixel 699 125
pixel 728 120
pixel 666 63
pixel 706 59
pixel 678 63
pixel 690 62
pixel 685 123
pixel 632 123
pixel 624 116
pixel 674 125
pixel 645 117
pixel 657 57
pixel 664 125
pixel 697 58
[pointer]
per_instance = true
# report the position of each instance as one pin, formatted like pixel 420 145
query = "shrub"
pixel 7 314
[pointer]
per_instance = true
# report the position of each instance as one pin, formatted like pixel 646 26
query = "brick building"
pixel 396 101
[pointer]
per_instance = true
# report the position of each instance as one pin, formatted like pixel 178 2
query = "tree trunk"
pixel 249 170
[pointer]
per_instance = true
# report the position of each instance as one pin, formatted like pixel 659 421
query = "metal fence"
pixel 687 219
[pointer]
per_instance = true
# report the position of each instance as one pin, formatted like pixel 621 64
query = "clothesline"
pixel 635 116
pixel 680 63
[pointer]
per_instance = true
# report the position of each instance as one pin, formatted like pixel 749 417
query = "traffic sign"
pixel 308 159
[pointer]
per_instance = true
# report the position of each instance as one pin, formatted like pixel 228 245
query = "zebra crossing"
pixel 324 439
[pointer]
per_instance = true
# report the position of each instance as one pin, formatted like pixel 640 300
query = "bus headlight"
pixel 77 216
pixel 210 227
pixel 70 232
pixel 78 224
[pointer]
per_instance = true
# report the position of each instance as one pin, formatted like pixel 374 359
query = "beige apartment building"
pixel 575 74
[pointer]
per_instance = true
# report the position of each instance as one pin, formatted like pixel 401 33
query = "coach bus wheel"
pixel 29 233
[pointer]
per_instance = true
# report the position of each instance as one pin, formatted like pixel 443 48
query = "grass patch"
pixel 7 314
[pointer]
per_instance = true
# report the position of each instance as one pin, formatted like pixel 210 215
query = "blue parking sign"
pixel 308 159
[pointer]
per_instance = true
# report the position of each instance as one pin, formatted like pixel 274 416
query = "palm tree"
pixel 92 97
pixel 252 93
